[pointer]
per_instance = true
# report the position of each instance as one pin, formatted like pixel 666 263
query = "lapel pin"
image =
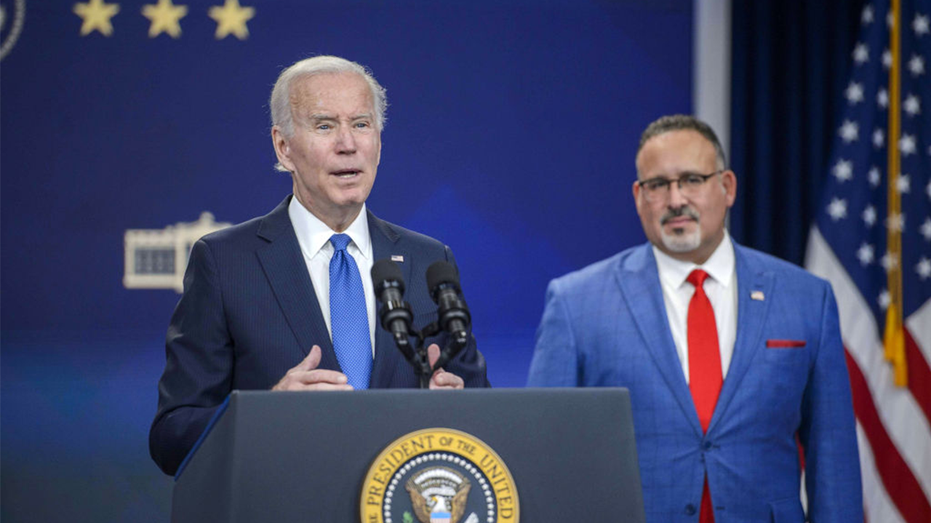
pixel 397 258
pixel 757 295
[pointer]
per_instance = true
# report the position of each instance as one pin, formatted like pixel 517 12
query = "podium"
pixel 299 456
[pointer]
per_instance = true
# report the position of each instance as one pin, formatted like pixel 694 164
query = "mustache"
pixel 678 212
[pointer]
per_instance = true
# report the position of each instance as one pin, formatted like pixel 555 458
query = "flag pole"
pixel 894 336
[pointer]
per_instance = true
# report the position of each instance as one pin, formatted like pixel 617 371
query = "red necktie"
pixel 704 367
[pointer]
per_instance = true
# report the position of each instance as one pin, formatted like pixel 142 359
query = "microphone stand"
pixel 417 356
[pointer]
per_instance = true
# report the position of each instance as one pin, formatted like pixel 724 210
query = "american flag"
pixel 872 240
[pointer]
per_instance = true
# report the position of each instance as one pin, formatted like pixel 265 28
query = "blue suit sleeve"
pixel 199 363
pixel 555 360
pixel 827 431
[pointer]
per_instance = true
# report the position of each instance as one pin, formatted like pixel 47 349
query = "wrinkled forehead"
pixel 343 91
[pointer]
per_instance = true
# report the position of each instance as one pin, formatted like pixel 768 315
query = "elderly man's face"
pixel 334 152
pixel 685 227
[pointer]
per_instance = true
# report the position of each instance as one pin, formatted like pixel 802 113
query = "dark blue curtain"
pixel 790 65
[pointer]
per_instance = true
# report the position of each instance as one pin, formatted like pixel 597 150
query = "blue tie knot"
pixel 340 241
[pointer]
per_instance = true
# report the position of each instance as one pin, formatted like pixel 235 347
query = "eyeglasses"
pixel 689 185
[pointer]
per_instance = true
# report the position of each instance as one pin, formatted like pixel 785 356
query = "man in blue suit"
pixel 284 301
pixel 733 358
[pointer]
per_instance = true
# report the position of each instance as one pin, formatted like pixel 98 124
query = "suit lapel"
pixel 639 281
pixel 751 317
pixel 387 356
pixel 287 274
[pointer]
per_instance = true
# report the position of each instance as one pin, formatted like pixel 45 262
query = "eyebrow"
pixel 677 176
pixel 319 117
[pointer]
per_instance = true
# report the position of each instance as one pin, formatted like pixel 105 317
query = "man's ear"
pixel 635 190
pixel 282 148
pixel 729 182
pixel 378 158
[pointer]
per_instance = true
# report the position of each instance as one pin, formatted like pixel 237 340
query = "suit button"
pixel 690 510
pixel 706 445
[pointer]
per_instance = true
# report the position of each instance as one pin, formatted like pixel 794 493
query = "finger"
pixel 319 379
pixel 433 354
pixel 446 380
pixel 328 386
pixel 312 359
pixel 293 385
pixel 323 376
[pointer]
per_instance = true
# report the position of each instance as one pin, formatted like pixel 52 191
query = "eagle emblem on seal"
pixel 438 495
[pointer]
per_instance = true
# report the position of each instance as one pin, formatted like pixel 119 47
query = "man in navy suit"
pixel 733 358
pixel 257 302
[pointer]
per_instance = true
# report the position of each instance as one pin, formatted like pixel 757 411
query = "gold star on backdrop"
pixel 96 16
pixel 231 19
pixel 165 17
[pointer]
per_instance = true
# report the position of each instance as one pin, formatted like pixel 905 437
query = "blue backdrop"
pixel 511 133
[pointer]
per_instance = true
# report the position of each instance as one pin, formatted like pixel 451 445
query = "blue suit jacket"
pixel 249 313
pixel 606 325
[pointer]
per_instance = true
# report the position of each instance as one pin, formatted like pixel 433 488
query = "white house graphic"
pixel 156 258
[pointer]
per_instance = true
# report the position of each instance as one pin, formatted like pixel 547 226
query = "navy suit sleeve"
pixel 827 431
pixel 469 364
pixel 555 356
pixel 199 364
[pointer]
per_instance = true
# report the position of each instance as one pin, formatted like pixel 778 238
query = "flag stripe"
pixel 898 479
pixel 876 503
pixel 919 325
pixel 919 375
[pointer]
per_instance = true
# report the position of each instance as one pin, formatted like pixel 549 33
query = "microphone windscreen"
pixel 386 270
pixel 441 272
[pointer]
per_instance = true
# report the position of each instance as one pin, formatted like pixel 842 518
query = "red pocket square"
pixel 785 344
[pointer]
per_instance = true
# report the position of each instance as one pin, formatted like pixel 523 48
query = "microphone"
pixel 395 313
pixel 454 317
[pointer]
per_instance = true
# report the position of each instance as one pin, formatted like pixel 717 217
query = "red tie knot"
pixel 697 278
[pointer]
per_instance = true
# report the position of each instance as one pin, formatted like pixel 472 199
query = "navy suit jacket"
pixel 606 326
pixel 249 314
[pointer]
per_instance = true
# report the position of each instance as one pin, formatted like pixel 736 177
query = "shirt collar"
pixel 720 265
pixel 314 235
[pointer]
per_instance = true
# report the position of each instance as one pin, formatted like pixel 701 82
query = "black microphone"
pixel 395 313
pixel 454 317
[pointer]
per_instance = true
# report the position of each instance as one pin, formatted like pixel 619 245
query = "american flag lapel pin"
pixel 397 258
pixel 757 295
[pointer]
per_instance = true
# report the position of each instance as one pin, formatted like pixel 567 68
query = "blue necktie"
pixel 348 315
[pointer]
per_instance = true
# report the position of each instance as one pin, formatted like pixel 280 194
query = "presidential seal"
pixel 12 15
pixel 439 476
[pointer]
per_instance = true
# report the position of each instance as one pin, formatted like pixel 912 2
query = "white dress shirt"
pixel 721 289
pixel 314 238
